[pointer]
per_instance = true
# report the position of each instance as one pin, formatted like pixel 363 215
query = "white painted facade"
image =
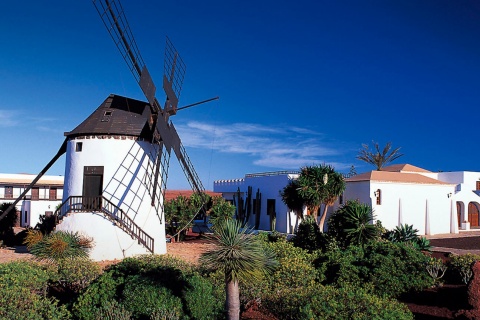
pixel 41 200
pixel 400 194
pixel 270 185
pixel 433 202
pixel 125 163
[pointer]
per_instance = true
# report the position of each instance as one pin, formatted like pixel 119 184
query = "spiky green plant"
pixel 241 257
pixel 62 245
pixel 403 233
pixel 359 227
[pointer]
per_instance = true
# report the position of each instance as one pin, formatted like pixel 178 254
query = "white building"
pixel 433 202
pixel 271 211
pixel 42 199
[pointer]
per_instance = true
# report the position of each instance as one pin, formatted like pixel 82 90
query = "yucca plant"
pixel 62 245
pixel 32 238
pixel 359 227
pixel 241 257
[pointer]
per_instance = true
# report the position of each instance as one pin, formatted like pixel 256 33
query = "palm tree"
pixel 379 158
pixel 292 199
pixel 241 257
pixel 320 185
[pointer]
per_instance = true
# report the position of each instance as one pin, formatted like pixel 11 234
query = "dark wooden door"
pixel 92 187
pixel 459 214
pixel 473 214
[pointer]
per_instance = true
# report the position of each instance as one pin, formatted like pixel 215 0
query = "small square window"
pixel 107 113
pixel 79 147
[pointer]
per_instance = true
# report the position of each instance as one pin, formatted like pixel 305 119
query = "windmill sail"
pixel 165 135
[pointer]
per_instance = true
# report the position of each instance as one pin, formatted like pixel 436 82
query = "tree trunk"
pixel 322 219
pixel 232 303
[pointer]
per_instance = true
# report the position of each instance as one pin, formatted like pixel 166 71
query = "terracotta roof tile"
pixel 387 176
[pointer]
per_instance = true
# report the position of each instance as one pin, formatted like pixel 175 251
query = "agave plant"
pixel 403 233
pixel 62 245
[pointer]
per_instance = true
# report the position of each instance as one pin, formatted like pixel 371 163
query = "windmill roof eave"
pixel 117 115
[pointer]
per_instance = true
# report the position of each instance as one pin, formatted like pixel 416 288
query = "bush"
pixel 32 238
pixel 387 269
pixel 461 266
pixel 142 298
pixel 7 223
pixel 23 292
pixel 351 303
pixel 98 296
pixel 21 303
pixel 77 274
pixel 29 275
pixel 295 268
pixel 325 302
pixel 151 286
pixel 308 235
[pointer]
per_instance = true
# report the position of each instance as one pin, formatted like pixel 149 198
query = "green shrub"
pixel 308 235
pixel 201 301
pixel 151 286
pixel 97 296
pixel 326 302
pixel 295 268
pixel 461 266
pixel 394 269
pixel 17 302
pixel 7 223
pixel 350 303
pixel 112 311
pixel 388 269
pixel 77 274
pixel 25 274
pixel 142 298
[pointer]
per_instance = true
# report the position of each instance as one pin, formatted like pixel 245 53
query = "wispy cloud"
pixel 276 147
pixel 8 118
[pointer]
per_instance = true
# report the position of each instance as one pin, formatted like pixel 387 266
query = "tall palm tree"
pixel 292 198
pixel 379 158
pixel 318 185
pixel 241 257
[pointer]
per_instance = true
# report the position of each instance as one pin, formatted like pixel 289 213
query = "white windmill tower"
pixel 117 159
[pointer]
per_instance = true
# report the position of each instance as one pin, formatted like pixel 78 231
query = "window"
pixel 35 193
pixel 478 185
pixel 79 147
pixel 52 194
pixel 26 217
pixel 340 199
pixel 8 192
pixel 378 195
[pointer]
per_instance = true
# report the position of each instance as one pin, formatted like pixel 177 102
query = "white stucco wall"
pixel 425 206
pixel 270 187
pixel 125 164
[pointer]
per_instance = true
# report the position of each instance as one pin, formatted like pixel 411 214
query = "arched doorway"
pixel 459 214
pixel 473 214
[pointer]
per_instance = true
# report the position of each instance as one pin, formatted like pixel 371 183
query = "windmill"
pixel 118 158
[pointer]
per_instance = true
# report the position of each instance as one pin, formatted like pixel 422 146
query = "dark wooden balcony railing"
pixel 111 211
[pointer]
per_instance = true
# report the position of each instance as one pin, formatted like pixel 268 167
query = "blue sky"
pixel 300 82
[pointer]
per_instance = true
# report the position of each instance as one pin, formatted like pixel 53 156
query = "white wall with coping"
pixel 270 186
pixel 125 163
